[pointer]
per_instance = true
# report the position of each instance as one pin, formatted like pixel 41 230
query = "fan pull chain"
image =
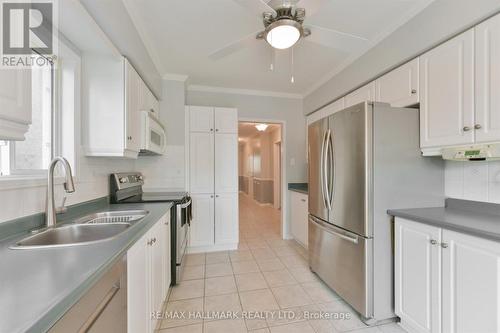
pixel 273 56
pixel 292 79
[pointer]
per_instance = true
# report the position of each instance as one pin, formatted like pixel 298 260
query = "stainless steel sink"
pixel 124 216
pixel 73 234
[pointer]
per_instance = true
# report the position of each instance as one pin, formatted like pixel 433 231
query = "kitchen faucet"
pixel 69 187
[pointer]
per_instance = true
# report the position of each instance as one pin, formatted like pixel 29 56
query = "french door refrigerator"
pixel 363 161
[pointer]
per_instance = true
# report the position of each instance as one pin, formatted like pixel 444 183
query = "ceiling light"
pixel 283 34
pixel 261 127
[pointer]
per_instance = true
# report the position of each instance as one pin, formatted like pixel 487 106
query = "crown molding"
pixel 175 77
pixel 234 91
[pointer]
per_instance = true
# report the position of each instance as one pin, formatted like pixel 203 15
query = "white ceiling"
pixel 180 35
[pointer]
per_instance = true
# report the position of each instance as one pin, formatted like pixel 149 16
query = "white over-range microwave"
pixel 154 137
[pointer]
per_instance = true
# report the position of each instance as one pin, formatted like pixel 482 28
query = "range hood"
pixel 486 152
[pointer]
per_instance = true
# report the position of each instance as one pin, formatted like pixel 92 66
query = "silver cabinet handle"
pixel 413 91
pixel 444 245
pixel 433 242
pixel 466 128
pixel 477 126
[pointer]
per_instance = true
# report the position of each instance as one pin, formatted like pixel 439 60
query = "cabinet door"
pixel 15 103
pixel 201 119
pixel 166 261
pixel 226 120
pixel 488 80
pixel 365 93
pixel 138 286
pixel 299 217
pixel 226 163
pixel 226 218
pixel 132 108
pixel 201 232
pixel 157 269
pixel 471 284
pixel 447 93
pixel 417 281
pixel 201 168
pixel 400 86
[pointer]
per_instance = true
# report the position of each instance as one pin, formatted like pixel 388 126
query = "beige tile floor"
pixel 266 273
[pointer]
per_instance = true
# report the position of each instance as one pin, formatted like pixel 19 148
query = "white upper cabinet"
pixel 365 93
pixel 326 111
pixel 417 276
pixel 201 162
pixel 487 122
pixel 201 119
pixel 226 120
pixel 114 96
pixel 226 158
pixel 15 103
pixel 400 86
pixel 447 93
pixel 471 283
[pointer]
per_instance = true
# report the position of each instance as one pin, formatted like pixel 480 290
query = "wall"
pixel 478 181
pixel 438 22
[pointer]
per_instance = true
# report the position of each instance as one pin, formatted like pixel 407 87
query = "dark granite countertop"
pixel 298 187
pixel 40 285
pixel 470 217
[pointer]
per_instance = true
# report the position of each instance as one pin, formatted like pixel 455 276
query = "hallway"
pixel 266 285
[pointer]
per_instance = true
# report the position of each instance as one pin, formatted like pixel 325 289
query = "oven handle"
pixel 185 205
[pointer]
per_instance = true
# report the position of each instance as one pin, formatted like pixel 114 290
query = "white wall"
pixel 478 181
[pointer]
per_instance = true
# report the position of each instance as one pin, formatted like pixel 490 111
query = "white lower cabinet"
pixel 226 218
pixel 299 216
pixel 201 231
pixel 445 281
pixel 147 282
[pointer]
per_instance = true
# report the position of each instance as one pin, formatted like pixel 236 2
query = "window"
pixel 52 131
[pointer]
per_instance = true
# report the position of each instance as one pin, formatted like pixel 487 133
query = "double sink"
pixel 92 228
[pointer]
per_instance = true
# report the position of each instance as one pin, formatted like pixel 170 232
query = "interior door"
pixel 348 168
pixel 316 141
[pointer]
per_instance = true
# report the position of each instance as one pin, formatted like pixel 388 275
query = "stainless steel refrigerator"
pixel 362 161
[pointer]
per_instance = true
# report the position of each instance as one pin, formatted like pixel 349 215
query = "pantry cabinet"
pixel 487 123
pixel 447 93
pixel 15 103
pixel 365 93
pixel 201 231
pixel 148 261
pixel 445 281
pixel 299 217
pixel 400 86
pixel 213 177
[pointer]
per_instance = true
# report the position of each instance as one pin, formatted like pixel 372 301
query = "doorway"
pixel 260 179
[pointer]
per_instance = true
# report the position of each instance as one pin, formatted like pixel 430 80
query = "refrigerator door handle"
pixel 335 231
pixel 331 166
pixel 322 171
pixel 326 165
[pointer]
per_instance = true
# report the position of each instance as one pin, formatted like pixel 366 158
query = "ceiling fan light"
pixel 261 127
pixel 283 34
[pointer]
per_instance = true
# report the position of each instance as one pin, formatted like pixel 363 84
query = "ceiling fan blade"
pixel 335 39
pixel 234 47
pixel 257 7
pixel 311 6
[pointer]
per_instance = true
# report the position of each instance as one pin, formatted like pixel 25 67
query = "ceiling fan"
pixel 284 26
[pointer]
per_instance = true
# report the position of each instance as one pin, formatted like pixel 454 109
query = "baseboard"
pixel 213 248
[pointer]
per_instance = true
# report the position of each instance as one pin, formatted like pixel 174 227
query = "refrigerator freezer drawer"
pixel 343 261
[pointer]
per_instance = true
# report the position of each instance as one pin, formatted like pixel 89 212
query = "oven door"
pixel 154 136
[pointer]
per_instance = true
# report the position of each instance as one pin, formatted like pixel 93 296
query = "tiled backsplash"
pixel 478 181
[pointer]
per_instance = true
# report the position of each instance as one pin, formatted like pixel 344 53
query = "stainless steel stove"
pixel 127 188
